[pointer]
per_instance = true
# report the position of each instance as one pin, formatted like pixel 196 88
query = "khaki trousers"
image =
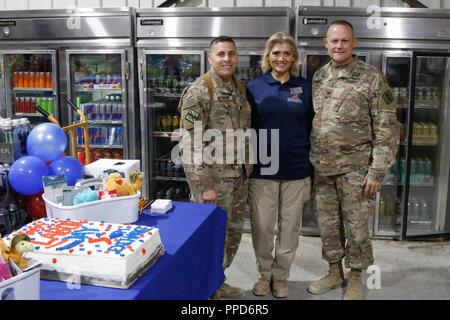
pixel 272 200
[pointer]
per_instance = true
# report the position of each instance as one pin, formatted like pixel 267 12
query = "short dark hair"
pixel 219 39
pixel 341 23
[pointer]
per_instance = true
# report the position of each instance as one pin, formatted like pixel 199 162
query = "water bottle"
pixel 424 211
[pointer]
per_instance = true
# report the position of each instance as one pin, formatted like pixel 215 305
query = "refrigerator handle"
pixel 141 72
pixel 127 70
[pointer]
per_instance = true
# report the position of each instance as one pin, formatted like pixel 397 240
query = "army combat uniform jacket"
pixel 355 124
pixel 226 109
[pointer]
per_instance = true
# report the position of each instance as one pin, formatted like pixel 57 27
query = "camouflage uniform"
pixel 355 135
pixel 227 109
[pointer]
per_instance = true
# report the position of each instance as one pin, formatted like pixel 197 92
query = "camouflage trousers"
pixel 343 214
pixel 232 197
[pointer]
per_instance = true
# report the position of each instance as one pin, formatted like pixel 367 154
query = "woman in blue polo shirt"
pixel 281 100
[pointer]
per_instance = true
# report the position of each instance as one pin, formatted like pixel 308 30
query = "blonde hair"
pixel 280 38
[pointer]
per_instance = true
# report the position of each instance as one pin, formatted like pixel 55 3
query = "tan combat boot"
pixel 333 279
pixel 354 287
pixel 228 292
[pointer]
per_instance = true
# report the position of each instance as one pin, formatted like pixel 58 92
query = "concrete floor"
pixel 408 270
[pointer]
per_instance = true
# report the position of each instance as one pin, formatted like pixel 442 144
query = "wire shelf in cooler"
pixel 163 134
pixel 33 89
pixel 164 178
pixel 103 146
pixel 105 121
pixel 21 114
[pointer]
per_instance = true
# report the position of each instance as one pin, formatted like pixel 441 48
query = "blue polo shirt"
pixel 288 108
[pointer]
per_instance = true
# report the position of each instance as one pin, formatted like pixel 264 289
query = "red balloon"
pixel 35 205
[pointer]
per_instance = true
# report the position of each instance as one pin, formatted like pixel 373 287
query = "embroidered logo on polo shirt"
pixel 294 99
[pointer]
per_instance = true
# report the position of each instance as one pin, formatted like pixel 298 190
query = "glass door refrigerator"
pixel 426 198
pixel 29 80
pixel 96 84
pixel 165 74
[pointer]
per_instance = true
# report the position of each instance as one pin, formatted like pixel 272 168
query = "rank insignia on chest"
pixel 192 116
pixel 355 75
pixel 388 97
pixel 296 90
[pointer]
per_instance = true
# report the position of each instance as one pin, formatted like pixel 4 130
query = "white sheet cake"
pixel 106 254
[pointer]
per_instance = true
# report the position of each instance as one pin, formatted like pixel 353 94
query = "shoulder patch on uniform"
pixel 356 75
pixel 388 97
pixel 192 116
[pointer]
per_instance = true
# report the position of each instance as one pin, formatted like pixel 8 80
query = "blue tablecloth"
pixel 191 268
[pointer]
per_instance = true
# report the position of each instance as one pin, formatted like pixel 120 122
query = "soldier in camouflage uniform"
pixel 354 140
pixel 217 101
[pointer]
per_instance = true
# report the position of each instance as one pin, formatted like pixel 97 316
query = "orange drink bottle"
pixel 20 80
pixel 48 80
pixel 26 79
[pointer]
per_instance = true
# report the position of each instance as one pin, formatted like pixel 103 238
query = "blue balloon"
pixel 68 166
pixel 46 141
pixel 25 175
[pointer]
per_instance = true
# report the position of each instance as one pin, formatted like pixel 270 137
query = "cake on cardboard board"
pixel 98 253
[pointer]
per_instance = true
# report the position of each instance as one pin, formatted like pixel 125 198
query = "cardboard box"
pixel 124 167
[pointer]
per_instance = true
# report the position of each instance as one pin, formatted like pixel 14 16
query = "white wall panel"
pixel 114 3
pixel 393 3
pixel 40 4
pixel 64 4
pixel 248 3
pixel 16 4
pixel 446 4
pixel 365 3
pixel 133 3
pixel 307 3
pixel 221 3
pixel 433 4
pixel 2 4
pixel 342 3
pixel 278 3
pixel 149 3
pixel 328 3
pixel 89 4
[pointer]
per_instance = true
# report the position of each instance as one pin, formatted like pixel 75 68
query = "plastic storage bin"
pixel 26 286
pixel 115 210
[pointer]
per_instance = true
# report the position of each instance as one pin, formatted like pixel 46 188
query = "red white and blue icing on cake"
pixel 85 237
pixel 106 253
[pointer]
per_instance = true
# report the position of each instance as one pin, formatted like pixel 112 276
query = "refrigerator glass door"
pixel 30 80
pixel 428 161
pixel 97 87
pixel 165 75
pixel 388 216
pixel 315 60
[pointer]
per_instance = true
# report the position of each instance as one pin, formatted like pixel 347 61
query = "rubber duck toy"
pixel 123 186
pixel 20 244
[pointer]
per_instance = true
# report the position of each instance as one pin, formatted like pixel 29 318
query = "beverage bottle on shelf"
pixel 424 211
pixel 17 105
pixel 28 105
pixel 20 79
pixel 15 79
pixel 426 136
pixel 26 79
pixel 119 136
pixel 382 210
pixel 48 80
pixel 32 80
pixel 434 135
pixel 7 129
pixel 111 135
pixel 41 80
pixel 33 105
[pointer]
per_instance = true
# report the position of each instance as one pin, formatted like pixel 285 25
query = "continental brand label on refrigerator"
pixel 315 21
pixel 7 23
pixel 152 22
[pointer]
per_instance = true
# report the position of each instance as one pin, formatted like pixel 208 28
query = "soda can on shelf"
pixel 119 111
pixel 114 112
pixel 101 111
pixel 111 135
pixel 169 169
pixel 119 136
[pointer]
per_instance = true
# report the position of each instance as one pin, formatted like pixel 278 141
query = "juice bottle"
pixel 20 80
pixel 48 80
pixel 31 80
pixel 26 79
pixel 15 79
pixel 41 80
